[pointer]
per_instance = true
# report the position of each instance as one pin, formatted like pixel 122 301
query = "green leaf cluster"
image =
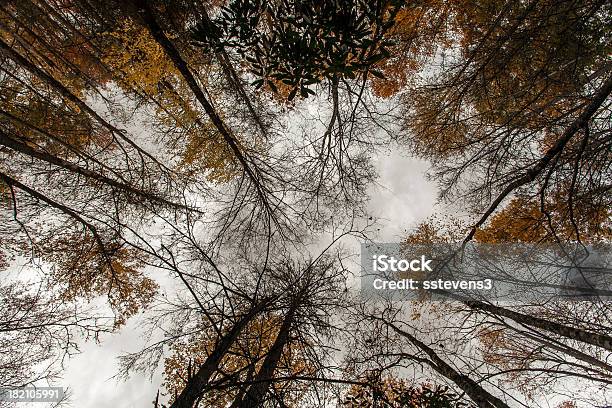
pixel 300 43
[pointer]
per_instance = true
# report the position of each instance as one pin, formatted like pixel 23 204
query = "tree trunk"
pixel 596 339
pixel 200 379
pixel 66 93
pixel 25 149
pixel 530 175
pixel 478 394
pixel 181 65
pixel 256 393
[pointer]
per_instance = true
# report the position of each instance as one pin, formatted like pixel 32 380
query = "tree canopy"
pixel 205 168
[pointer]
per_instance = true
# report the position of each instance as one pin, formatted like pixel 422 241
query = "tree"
pixel 254 343
pixel 515 115
pixel 531 345
pixel 300 43
pixel 522 220
pixel 149 139
pixel 418 30
pixel 139 64
pixel 71 182
pixel 39 330
pixel 392 392
pixel 255 368
pixel 519 120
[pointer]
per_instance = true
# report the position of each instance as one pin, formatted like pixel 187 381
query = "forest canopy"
pixel 205 168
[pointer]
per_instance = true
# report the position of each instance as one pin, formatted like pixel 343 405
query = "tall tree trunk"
pixel 181 65
pixel 6 140
pixel 479 395
pixel 256 393
pixel 66 93
pixel 199 381
pixel 533 172
pixel 596 339
pixel 570 351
